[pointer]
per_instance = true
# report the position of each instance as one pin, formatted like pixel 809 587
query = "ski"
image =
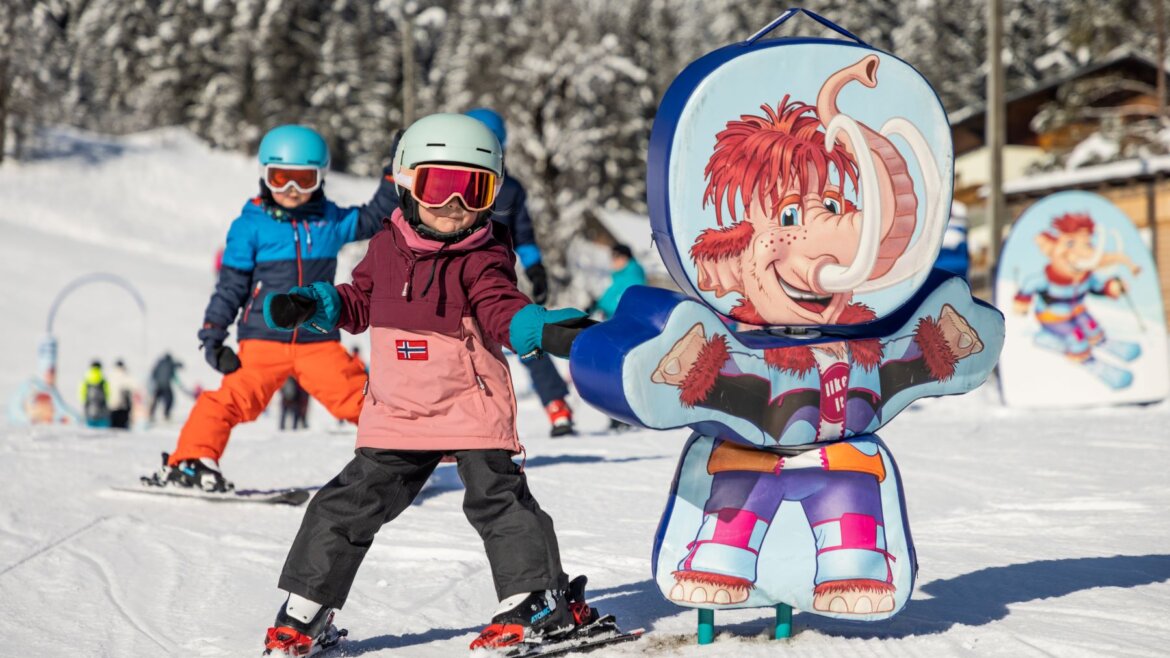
pixel 602 632
pixel 288 496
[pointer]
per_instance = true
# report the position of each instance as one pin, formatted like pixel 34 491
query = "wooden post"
pixel 1160 19
pixel 408 67
pixel 994 129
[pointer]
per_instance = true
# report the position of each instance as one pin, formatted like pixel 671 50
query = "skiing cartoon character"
pixel 1075 270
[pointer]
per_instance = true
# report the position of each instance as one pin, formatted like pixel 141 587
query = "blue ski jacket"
pixel 269 252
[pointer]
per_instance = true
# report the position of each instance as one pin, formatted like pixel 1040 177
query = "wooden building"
pixel 1139 186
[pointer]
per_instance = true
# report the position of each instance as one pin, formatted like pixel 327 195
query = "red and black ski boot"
pixel 528 618
pixel 289 636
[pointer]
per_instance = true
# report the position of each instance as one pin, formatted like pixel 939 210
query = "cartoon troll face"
pixel 802 249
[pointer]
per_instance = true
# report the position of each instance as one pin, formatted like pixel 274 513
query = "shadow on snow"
pixel 982 597
pixel 972 599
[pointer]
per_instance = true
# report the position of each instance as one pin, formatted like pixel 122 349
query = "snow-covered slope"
pixel 1038 534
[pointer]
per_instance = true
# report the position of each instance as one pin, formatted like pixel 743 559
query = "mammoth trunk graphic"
pixel 802 248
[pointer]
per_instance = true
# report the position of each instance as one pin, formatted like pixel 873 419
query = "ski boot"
pixel 561 418
pixel 289 636
pixel 529 618
pixel 201 474
pixel 616 425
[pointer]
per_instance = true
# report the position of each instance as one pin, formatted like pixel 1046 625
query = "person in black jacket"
pixel 512 211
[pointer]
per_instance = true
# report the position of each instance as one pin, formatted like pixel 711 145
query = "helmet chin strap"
pixel 410 212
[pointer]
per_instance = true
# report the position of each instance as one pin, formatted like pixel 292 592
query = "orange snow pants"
pixel 324 369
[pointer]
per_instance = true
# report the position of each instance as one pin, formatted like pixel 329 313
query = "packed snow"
pixel 1038 533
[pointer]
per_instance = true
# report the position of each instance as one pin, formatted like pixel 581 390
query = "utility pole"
pixel 406 21
pixel 994 129
pixel 1160 18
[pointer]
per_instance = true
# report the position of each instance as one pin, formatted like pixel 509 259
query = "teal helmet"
pixel 294 145
pixel 493 121
pixel 448 139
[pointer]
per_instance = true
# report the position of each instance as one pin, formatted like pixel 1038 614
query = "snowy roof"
pixel 1121 169
pixel 1117 55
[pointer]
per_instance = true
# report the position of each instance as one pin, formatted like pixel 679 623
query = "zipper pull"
pixel 405 287
pixel 479 380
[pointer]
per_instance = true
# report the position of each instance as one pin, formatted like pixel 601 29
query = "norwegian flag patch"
pixel 411 350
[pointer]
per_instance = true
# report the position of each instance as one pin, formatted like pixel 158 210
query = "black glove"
pixel 557 338
pixel 220 356
pixel 288 311
pixel 539 279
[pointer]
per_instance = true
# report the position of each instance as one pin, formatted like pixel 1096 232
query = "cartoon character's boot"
pixel 1122 349
pixel 1112 376
pixel 853 569
pixel 1050 341
pixel 720 567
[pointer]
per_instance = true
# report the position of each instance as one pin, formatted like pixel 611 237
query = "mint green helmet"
pixel 450 138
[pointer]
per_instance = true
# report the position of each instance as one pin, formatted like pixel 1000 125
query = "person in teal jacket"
pixel 626 272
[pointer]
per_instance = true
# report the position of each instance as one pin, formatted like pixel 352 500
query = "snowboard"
pixel 287 496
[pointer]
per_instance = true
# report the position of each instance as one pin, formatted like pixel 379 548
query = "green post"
pixel 783 621
pixel 706 626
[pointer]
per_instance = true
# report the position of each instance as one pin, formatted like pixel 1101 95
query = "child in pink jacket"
pixel 437 291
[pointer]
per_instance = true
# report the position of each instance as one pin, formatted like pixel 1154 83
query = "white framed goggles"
pixel 434 185
pixel 306 178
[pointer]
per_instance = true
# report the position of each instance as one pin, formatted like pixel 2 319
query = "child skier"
pixel 289 235
pixel 437 290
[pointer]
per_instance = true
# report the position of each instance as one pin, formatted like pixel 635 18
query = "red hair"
pixel 1072 222
pixel 758 156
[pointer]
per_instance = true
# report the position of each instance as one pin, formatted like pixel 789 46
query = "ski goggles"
pixel 281 177
pixel 435 185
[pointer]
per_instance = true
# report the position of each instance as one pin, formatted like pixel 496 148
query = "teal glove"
pixel 527 329
pixel 316 307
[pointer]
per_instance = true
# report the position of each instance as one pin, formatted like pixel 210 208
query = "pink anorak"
pixel 438 315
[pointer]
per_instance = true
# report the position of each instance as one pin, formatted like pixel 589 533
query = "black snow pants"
pixel 342 519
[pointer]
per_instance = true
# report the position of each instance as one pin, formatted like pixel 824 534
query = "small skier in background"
pixel 288 235
pixel 95 395
pixel 626 273
pixel 121 395
pixel 162 379
pixel 437 291
pixel 294 404
pixel 512 211
pixel 1076 270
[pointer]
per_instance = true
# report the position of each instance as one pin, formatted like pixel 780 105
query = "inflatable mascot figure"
pixel 798 190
